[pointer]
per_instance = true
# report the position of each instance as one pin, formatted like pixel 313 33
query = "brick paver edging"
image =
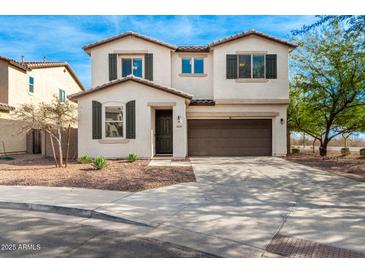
pixel 299 248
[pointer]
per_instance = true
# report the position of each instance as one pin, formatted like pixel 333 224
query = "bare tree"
pixel 51 117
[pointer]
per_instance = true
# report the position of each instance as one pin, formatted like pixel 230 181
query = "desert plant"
pixel 99 162
pixel 345 151
pixel 295 150
pixel 132 157
pixel 85 159
pixel 362 152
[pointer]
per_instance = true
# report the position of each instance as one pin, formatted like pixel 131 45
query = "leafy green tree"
pixel 355 23
pixel 327 96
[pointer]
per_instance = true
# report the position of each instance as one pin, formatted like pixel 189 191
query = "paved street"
pixel 34 234
pixel 235 209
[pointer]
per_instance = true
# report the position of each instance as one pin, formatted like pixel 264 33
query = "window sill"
pixel 252 80
pixel 113 141
pixel 31 93
pixel 193 75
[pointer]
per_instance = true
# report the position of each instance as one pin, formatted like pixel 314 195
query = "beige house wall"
pixel 127 47
pixel 201 86
pixel 245 89
pixel 147 100
pixel 47 82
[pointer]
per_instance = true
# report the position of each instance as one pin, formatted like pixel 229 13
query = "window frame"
pixel 103 119
pixel 31 85
pixel 60 90
pixel 251 78
pixel 192 60
pixel 132 56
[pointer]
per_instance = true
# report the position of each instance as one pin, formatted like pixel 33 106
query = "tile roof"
pixel 192 49
pixel 75 96
pixel 6 107
pixel 126 34
pixel 206 48
pixel 14 63
pixel 247 33
pixel 202 102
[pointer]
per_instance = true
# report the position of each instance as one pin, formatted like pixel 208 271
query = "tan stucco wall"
pixel 100 61
pixel 12 135
pixel 232 89
pixel 199 86
pixel 3 82
pixel 143 144
pixel 274 112
pixel 47 82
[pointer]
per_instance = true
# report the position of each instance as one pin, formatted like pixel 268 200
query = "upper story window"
pixel 192 65
pixel 251 66
pixel 61 95
pixel 186 66
pixel 114 121
pixel 31 84
pixel 132 66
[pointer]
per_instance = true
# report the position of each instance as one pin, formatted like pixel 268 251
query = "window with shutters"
pixel 132 66
pixel 114 120
pixel 251 66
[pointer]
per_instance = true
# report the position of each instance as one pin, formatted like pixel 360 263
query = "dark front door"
pixel 36 141
pixel 163 131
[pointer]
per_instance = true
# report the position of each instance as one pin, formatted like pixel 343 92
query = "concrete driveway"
pixel 235 209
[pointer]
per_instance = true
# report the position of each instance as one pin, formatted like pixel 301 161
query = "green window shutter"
pixel 148 66
pixel 112 66
pixel 131 120
pixel 231 66
pixel 96 119
pixel 271 66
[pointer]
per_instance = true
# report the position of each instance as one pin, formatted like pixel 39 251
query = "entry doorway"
pixel 163 130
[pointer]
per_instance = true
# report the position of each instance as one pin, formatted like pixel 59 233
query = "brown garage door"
pixel 229 137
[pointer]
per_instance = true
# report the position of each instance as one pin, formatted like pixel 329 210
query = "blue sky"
pixel 60 38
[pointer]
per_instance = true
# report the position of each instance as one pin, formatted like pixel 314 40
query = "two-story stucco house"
pixel 29 82
pixel 228 98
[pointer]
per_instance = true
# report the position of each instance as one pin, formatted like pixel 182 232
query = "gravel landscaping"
pixel 118 175
pixel 352 166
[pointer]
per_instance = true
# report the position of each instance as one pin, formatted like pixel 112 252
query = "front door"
pixel 163 131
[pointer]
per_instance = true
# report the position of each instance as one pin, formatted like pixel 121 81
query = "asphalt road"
pixel 37 234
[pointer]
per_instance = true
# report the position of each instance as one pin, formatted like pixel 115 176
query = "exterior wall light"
pixel 282 121
pixel 179 119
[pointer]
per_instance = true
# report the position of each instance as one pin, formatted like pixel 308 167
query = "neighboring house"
pixel 228 98
pixel 29 82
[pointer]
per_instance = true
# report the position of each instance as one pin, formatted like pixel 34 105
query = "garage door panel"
pixel 230 137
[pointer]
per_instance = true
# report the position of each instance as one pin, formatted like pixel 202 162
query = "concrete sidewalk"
pixel 235 209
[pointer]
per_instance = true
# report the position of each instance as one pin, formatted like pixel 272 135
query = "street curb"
pixel 77 212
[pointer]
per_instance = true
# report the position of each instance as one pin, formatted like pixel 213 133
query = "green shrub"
pixel 345 151
pixel 85 159
pixel 132 157
pixel 362 152
pixel 295 150
pixel 100 162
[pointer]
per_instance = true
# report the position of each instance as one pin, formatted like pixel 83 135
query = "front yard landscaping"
pixel 352 166
pixel 118 175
